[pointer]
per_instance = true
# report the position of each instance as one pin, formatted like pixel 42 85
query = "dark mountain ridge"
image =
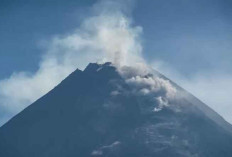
pixel 96 112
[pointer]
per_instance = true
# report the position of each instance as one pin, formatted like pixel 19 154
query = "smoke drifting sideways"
pixel 109 35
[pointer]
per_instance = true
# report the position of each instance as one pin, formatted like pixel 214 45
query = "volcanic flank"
pixel 104 111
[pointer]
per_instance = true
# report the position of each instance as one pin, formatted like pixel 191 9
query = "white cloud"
pixel 152 84
pixel 99 152
pixel 213 88
pixel 161 103
pixel 159 88
pixel 106 36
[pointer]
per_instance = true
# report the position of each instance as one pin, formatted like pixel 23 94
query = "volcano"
pixel 103 111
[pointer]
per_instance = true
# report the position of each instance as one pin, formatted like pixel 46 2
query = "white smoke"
pixel 213 88
pixel 151 84
pixel 107 36
pixel 100 151
pixel 160 89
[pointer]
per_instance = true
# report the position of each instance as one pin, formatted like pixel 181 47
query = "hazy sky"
pixel 188 40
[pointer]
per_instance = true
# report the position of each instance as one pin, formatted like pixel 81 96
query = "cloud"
pixel 212 87
pixel 108 35
pixel 97 153
pixel 152 85
pixel 160 89
pixel 100 151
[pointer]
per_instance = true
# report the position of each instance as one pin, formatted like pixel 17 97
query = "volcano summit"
pixel 103 111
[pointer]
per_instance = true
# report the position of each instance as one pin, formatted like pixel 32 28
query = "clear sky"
pixel 188 40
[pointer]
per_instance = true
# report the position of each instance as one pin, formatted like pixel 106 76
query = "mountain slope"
pixel 99 112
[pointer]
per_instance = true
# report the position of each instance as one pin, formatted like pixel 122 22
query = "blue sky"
pixel 177 31
pixel 188 40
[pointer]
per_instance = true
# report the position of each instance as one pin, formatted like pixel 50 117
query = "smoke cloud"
pixel 213 88
pixel 107 36
pixel 151 84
